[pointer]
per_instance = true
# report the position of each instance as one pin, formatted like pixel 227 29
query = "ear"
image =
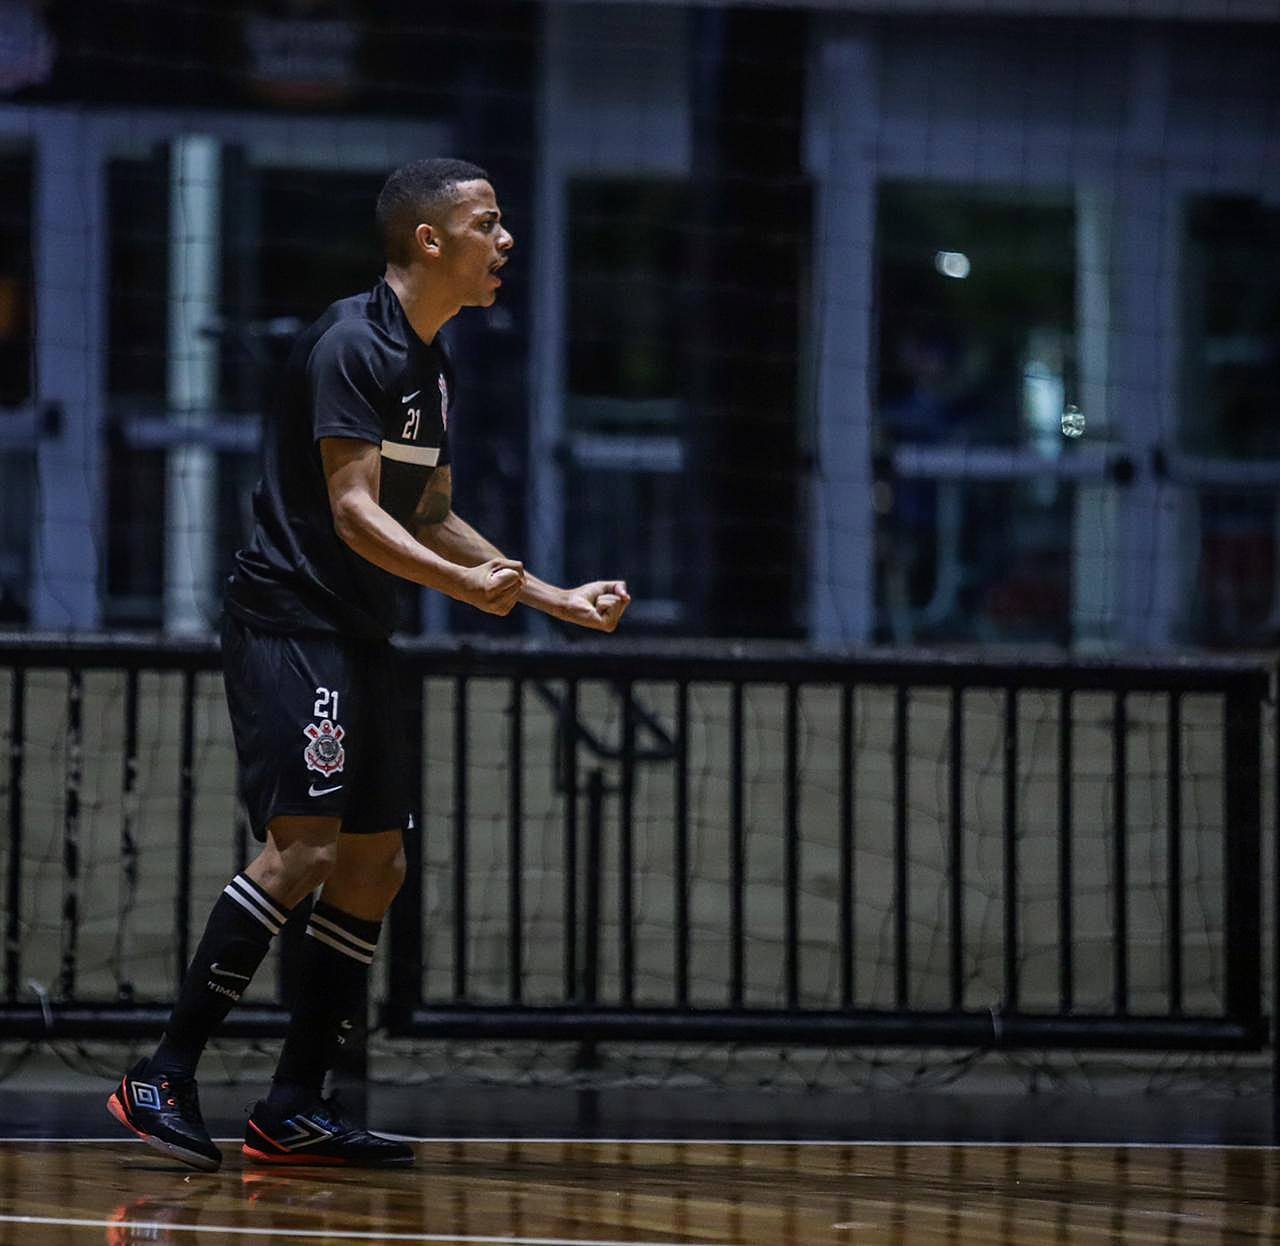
pixel 427 238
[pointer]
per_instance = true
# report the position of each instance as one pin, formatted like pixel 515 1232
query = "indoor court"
pixel 583 1167
pixel 658 1194
pixel 745 1189
pixel 679 598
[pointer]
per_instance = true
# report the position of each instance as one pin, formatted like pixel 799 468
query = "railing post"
pixel 186 824
pixel 71 835
pixel 515 843
pixel 737 848
pixel 1275 918
pixel 128 834
pixel 681 847
pixel 567 773
pixel 589 989
pixel 461 816
pixel 404 921
pixel 17 745
pixel 1242 800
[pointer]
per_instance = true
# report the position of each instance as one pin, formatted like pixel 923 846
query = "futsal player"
pixel 355 497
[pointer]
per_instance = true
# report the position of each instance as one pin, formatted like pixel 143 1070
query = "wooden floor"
pixel 575 1193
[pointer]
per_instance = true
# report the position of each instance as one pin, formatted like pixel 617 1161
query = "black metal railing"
pixel 623 765
pixel 578 1014
pixel 29 1008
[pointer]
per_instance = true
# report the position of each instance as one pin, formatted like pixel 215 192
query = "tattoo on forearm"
pixel 437 499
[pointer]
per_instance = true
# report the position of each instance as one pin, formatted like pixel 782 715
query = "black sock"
pixel 240 929
pixel 329 1008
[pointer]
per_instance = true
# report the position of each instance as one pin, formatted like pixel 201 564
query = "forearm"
pixel 457 541
pixel 368 530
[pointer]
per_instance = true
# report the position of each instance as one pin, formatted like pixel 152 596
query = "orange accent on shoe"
pixel 117 1109
pixel 269 1141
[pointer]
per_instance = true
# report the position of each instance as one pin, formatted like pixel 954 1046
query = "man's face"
pixel 473 245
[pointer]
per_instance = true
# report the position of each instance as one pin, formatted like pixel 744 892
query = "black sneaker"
pixel 165 1113
pixel 317 1135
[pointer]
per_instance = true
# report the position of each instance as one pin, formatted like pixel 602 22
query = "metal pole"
pixel 192 380
pixel 17 744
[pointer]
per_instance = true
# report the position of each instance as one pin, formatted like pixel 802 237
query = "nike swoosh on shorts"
pixel 322 791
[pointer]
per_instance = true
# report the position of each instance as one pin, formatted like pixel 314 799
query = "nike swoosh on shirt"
pixel 322 791
pixel 412 396
pixel 227 973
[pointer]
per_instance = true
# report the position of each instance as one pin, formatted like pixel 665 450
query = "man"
pixel 355 497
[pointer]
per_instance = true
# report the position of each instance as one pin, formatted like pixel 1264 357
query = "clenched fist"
pixel 494 586
pixel 599 605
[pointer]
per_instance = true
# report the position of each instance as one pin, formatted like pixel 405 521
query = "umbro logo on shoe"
pixel 165 1114
pixel 306 1132
pixel 318 1137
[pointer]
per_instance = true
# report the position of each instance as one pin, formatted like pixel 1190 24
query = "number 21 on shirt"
pixel 411 424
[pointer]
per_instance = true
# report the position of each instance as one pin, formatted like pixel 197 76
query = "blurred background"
pixel 801 296
pixel 951 326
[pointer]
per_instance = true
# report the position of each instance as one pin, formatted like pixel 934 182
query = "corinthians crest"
pixel 324 753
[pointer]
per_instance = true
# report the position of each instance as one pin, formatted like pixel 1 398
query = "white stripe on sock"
pixel 333 928
pixel 249 908
pixel 264 901
pixel 339 947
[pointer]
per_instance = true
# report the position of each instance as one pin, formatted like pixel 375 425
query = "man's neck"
pixel 424 312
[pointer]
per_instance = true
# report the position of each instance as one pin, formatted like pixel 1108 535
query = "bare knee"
pixel 368 875
pixel 380 875
pixel 293 871
pixel 394 872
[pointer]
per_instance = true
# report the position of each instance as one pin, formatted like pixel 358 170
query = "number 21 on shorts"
pixel 326 705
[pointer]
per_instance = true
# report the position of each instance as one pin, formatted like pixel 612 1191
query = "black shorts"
pixel 318 728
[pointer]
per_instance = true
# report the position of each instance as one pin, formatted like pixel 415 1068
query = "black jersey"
pixel 362 372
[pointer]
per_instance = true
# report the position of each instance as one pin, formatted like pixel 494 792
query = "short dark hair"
pixel 413 193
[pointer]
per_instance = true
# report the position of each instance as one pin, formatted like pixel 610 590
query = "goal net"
pixel 912 323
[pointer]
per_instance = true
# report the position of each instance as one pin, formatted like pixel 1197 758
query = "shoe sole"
pixel 192 1158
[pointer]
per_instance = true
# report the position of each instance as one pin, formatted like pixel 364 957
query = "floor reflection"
pixel 577 1193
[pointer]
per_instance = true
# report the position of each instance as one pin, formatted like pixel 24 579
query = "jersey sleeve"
pixel 448 399
pixel 346 391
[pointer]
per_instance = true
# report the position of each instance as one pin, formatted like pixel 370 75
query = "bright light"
pixel 952 264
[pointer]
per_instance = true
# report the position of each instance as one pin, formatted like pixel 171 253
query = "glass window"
pixel 976 292
pixel 628 257
pixel 626 410
pixel 17 467
pixel 294 240
pixel 291 241
pixel 1231 383
pixel 976 349
pixel 1230 395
